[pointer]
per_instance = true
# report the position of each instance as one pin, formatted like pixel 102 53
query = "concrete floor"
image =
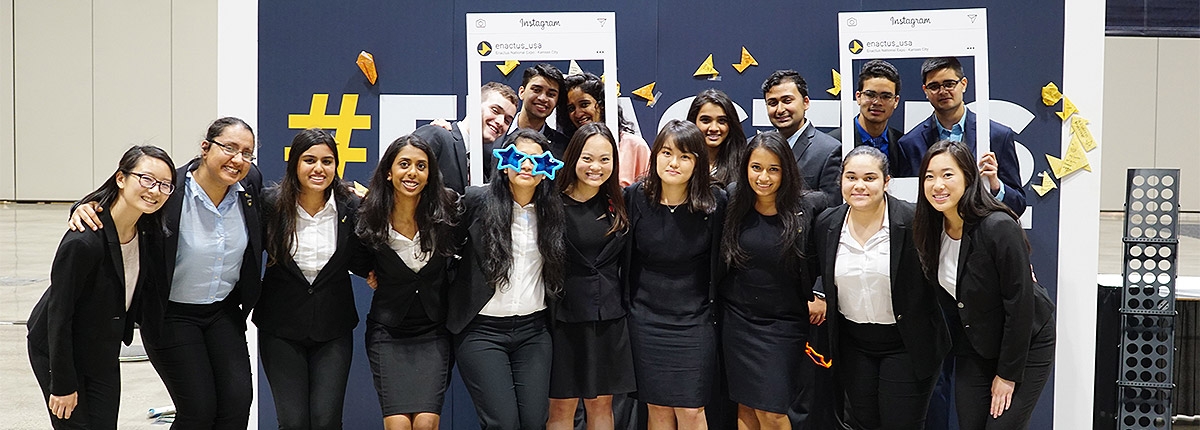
pixel 29 234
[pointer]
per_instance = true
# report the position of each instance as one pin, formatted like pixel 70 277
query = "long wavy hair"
pixel 437 206
pixel 729 153
pixel 496 218
pixel 108 192
pixel 687 138
pixel 976 204
pixel 789 204
pixel 281 222
pixel 611 188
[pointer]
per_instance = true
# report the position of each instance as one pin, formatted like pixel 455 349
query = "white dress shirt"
pixel 863 276
pixel 316 239
pixel 409 250
pixel 525 292
pixel 948 264
pixel 129 256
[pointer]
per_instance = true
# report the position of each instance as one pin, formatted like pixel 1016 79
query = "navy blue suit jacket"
pixel 914 143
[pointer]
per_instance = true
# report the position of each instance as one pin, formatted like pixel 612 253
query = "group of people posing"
pixel 591 268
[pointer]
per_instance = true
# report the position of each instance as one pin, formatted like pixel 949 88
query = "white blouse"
pixel 409 250
pixel 316 239
pixel 525 292
pixel 948 264
pixel 863 276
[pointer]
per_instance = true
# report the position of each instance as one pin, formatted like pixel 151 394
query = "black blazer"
pixel 1000 306
pixel 399 285
pixel 81 320
pixel 451 152
pixel 914 304
pixel 470 291
pixel 819 158
pixel 893 138
pixel 245 292
pixel 914 144
pixel 290 307
pixel 592 289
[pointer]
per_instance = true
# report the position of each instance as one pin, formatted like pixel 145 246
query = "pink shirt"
pixel 634 156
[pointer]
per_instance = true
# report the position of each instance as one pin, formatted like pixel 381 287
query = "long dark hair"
pixel 107 193
pixel 687 138
pixel 437 208
pixel 496 218
pixel 976 204
pixel 281 222
pixel 611 187
pixel 730 151
pixel 788 203
pixel 588 83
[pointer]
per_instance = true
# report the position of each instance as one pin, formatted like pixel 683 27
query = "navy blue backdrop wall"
pixel 309 47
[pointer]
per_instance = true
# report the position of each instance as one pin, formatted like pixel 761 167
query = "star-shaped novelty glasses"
pixel 510 158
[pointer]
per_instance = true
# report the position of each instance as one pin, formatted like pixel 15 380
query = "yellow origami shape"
pixel 706 68
pixel 1068 109
pixel 1046 185
pixel 837 84
pixel 747 61
pixel 366 63
pixel 1050 94
pixel 1080 130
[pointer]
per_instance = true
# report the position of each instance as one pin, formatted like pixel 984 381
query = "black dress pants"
pixel 973 385
pixel 505 364
pixel 876 372
pixel 201 355
pixel 99 393
pixel 308 379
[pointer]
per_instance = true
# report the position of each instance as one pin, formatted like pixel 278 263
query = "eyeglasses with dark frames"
pixel 887 97
pixel 148 181
pixel 231 151
pixel 948 84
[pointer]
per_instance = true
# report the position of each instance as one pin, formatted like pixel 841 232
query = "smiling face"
pixel 496 114
pixel 143 199
pixel 943 183
pixel 538 97
pixel 595 163
pixel 674 166
pixel 410 172
pixel 525 179
pixel 227 169
pixel 765 172
pixel 786 107
pixel 582 107
pixel 713 123
pixel 876 109
pixel 316 169
pixel 947 98
pixel 863 183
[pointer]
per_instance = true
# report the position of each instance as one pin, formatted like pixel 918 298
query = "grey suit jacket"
pixel 819 158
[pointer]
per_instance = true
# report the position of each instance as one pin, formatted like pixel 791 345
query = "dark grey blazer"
pixel 819 158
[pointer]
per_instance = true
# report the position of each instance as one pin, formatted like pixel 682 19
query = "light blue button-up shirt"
pixel 212 242
pixel 955 133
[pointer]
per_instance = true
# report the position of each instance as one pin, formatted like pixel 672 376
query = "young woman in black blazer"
pixel 675 228
pixel 306 315
pixel 193 317
pixel 76 329
pixel 887 333
pixel 1001 322
pixel 592 359
pixel 406 223
pixel 512 267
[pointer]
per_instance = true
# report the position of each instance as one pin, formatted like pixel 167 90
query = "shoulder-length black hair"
pixel 107 193
pixel 588 83
pixel 687 138
pixel 437 206
pixel 729 153
pixel 496 217
pixel 788 203
pixel 976 203
pixel 281 222
pixel 611 187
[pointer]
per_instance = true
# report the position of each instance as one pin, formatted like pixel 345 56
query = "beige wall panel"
pixel 1130 94
pixel 1179 91
pixel 53 99
pixel 132 79
pixel 194 74
pixel 8 173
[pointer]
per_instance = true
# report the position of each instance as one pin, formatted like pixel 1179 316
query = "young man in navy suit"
pixel 877 97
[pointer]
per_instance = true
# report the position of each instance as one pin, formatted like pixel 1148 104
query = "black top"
pixel 768 285
pixel 81 318
pixel 408 302
pixel 592 288
pixel 291 307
